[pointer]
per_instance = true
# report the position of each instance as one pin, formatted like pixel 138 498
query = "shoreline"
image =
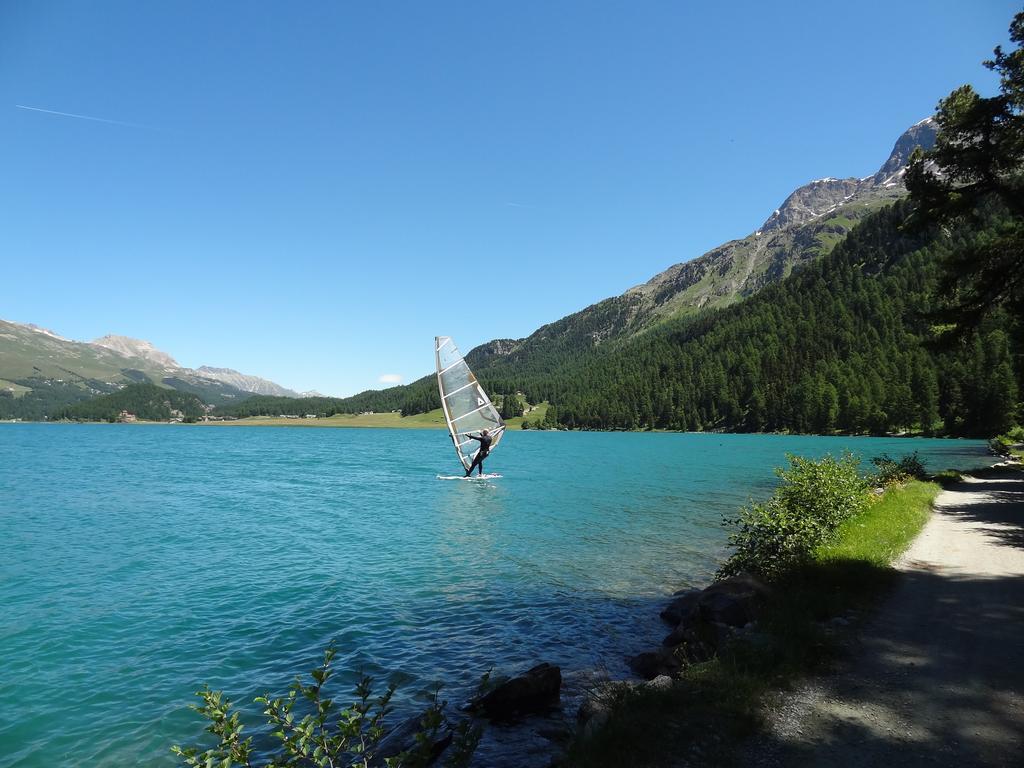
pixel 642 620
pixel 626 700
pixel 336 422
pixel 936 672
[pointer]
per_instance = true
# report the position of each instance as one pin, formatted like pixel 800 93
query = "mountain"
pixel 246 383
pixel 842 344
pixel 41 371
pixel 137 348
pixel 147 402
pixel 808 224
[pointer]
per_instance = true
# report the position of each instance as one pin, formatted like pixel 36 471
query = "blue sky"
pixel 311 191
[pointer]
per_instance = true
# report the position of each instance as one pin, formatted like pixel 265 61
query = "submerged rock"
pixel 682 606
pixel 402 738
pixel 534 692
pixel 599 703
pixel 735 601
pixel 707 618
pixel 652 664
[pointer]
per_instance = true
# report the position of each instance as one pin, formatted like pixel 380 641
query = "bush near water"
pixel 306 728
pixel 825 542
pixel 773 537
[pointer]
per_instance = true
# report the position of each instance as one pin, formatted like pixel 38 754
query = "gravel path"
pixel 936 676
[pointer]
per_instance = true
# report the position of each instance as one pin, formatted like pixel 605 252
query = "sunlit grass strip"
pixel 884 531
pixel 725 695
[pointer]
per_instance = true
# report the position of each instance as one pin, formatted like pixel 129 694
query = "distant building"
pixel 125 417
pixel 310 415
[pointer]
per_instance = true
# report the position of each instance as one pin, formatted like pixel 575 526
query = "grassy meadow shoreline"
pixel 391 420
pixel 717 705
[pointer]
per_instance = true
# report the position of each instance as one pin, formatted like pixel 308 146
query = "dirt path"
pixel 936 677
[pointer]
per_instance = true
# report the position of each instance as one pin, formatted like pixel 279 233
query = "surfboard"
pixel 485 476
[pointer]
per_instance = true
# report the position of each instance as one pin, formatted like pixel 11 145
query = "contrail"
pixel 81 117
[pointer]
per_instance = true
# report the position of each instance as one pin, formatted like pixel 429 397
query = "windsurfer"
pixel 485 447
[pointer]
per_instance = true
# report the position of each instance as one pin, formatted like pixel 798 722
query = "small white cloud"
pixel 390 378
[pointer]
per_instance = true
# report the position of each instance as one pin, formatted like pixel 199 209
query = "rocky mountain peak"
pixel 245 382
pixel 129 347
pixel 921 134
pixel 825 195
pixel 812 200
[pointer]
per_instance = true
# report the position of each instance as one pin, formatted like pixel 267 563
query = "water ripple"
pixel 141 562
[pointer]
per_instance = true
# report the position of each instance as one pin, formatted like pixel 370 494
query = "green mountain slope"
pixel 841 345
pixel 41 372
pixel 147 402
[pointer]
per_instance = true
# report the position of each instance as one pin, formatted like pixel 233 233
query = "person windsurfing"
pixel 485 447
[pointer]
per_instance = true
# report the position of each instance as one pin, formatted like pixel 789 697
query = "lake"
pixel 143 561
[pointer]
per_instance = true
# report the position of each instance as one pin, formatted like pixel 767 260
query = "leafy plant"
pixel 813 498
pixel 891 470
pixel 313 732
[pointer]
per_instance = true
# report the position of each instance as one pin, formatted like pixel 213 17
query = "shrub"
pixel 891 470
pixel 780 534
pixel 324 736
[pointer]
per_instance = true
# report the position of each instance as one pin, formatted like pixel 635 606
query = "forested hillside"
pixel 34 399
pixel 841 345
pixel 146 401
pixel 912 322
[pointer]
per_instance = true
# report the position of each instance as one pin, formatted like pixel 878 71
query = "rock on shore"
pixel 534 692
pixel 702 620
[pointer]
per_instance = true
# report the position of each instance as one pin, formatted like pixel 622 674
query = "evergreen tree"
pixel 974 172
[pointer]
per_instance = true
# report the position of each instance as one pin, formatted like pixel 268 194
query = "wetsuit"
pixel 485 447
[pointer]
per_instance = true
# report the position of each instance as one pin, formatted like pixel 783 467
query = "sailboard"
pixel 467 408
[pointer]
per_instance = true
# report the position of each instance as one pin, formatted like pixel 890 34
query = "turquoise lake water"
pixel 140 562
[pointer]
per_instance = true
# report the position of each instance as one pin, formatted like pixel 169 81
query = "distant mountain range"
pixel 808 224
pixel 41 370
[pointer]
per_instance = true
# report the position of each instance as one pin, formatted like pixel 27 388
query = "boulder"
pixel 683 605
pixel 735 601
pixel 597 707
pixel 684 633
pixel 652 664
pixel 660 683
pixel 713 635
pixel 402 738
pixel 531 693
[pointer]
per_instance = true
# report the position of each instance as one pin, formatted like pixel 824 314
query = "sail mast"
pixel 466 406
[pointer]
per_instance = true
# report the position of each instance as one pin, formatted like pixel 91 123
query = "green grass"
pixel 947 477
pixel 19 389
pixel 537 414
pixel 885 530
pixel 431 420
pixel 715 705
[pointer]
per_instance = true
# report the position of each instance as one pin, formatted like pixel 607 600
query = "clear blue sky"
pixel 311 191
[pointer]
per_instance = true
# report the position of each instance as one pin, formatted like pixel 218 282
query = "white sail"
pixel 467 409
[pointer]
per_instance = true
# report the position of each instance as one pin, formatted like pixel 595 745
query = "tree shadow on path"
pixel 999 511
pixel 936 677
